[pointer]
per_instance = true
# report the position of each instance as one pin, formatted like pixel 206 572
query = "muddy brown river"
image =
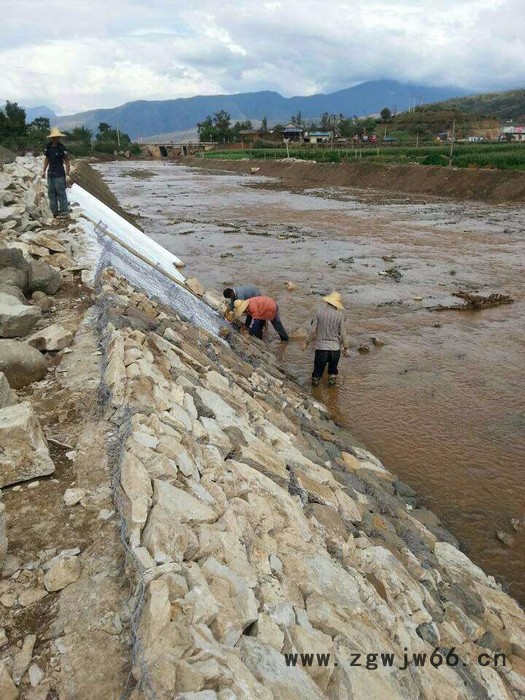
pixel 442 402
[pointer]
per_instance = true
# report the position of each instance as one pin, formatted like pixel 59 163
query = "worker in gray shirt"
pixel 328 329
pixel 241 292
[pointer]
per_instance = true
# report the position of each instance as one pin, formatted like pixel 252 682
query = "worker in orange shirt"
pixel 261 309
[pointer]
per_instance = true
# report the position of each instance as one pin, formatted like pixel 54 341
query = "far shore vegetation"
pixel 19 137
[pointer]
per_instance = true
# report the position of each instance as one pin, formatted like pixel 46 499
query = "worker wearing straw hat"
pixel 261 309
pixel 328 329
pixel 56 165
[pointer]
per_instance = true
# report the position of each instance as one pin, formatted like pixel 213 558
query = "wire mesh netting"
pixel 154 283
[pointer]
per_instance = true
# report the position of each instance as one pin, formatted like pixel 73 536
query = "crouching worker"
pixel 242 292
pixel 328 329
pixel 261 309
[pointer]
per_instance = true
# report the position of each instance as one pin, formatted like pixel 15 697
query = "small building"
pixel 512 132
pixel 293 132
pixel 317 137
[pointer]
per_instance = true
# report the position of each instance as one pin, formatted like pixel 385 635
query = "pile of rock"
pixel 257 529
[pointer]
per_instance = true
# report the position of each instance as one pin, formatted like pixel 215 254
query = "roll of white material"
pixel 128 235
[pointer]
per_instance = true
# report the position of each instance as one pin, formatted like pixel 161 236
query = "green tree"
pixel 82 134
pixel 12 125
pixel 102 128
pixel 206 129
pixel 297 119
pixel 386 114
pixel 222 123
pixel 264 126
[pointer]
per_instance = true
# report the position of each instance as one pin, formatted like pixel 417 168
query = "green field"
pixel 502 156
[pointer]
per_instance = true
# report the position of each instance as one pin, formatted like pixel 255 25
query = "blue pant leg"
pixel 277 324
pixel 60 185
pixel 52 195
pixel 256 328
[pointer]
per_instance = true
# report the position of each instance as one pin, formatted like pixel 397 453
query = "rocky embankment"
pixel 206 521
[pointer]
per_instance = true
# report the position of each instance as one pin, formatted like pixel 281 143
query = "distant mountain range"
pixel 144 118
pixel 43 111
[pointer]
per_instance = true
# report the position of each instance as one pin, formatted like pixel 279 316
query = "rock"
pixel 43 278
pixel 3 637
pixel 51 339
pixel 13 258
pixel 290 286
pixel 64 571
pixel 269 667
pixel 23 658
pixel 24 453
pixel 73 496
pixel 13 277
pixel 193 284
pixel 377 342
pixel 166 536
pixel 7 396
pixel 8 690
pixel 16 319
pixel 30 596
pixel 36 675
pixel 21 364
pixel 3 536
pixel 363 349
pixel 43 240
pixel 12 291
pixel 505 537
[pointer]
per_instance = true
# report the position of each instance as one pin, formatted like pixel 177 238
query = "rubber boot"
pixel 315 381
pixel 332 380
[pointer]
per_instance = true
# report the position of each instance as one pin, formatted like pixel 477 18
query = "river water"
pixel 442 402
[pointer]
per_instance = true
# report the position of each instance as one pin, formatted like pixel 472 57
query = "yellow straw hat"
pixel 335 300
pixel 240 306
pixel 55 133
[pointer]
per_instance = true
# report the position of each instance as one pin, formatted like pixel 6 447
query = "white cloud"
pixel 104 53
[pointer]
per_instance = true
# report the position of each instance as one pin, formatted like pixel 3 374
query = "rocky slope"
pixel 252 528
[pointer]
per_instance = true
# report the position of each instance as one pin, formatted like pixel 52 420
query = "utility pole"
pixel 452 143
pixel 118 138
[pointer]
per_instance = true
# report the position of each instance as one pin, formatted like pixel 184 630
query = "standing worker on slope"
pixel 57 166
pixel 328 328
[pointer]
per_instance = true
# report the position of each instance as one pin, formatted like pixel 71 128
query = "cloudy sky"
pixel 100 53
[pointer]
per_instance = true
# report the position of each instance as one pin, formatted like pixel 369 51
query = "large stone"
pixel 51 339
pixel 63 571
pixel 14 258
pixel 7 397
pixel 136 484
pixel 21 363
pixel 11 291
pixel 24 453
pixel 23 658
pixel 8 690
pixel 14 277
pixel 269 667
pixel 43 278
pixel 193 284
pixel 16 319
pixel 166 535
pixel 40 238
pixel 3 535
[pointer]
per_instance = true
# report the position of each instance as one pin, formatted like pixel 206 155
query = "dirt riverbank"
pixel 458 183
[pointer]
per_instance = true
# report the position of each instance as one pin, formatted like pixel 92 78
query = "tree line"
pixel 218 128
pixel 17 135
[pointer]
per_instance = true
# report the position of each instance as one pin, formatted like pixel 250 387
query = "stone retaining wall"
pixel 256 529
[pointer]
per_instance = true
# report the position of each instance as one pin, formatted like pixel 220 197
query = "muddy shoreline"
pixel 497 186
